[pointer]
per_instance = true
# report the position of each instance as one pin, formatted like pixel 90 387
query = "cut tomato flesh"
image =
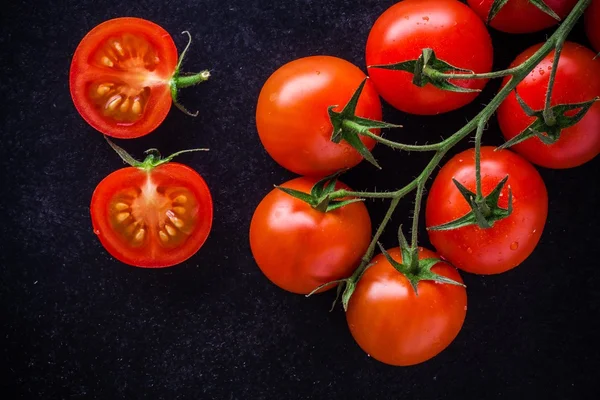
pixel 153 218
pixel 128 62
pixel 120 77
pixel 152 215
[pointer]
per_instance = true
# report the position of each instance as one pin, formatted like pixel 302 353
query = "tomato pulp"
pixel 155 218
pixel 393 324
pixel 292 114
pixel 577 80
pixel 299 248
pixel 451 29
pixel 510 240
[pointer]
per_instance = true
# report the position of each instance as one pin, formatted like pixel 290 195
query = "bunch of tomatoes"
pixel 487 207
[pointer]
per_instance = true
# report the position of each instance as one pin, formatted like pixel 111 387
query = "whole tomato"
pixel 300 248
pixel 292 114
pixel 521 16
pixel 510 240
pixel 448 27
pixel 577 80
pixel 393 324
pixel 592 23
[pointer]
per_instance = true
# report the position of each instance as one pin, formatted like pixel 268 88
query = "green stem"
pixel 478 136
pixel 549 117
pixel 367 195
pixel 517 74
pixel 415 225
pixel 401 146
pixel 487 75
pixel 183 81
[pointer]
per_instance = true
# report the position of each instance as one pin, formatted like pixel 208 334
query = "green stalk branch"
pixel 477 124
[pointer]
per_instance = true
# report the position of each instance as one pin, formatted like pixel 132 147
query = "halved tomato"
pixel 124 75
pixel 155 217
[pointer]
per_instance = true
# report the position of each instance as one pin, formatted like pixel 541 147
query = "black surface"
pixel 76 324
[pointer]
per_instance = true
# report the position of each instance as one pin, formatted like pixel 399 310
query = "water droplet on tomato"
pixel 425 18
pixel 465 308
pixel 542 72
pixel 318 72
pixel 534 231
pixel 97 231
pixel 460 160
pixel 469 250
pixel 514 245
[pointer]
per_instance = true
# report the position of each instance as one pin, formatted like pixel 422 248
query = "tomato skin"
pixel 592 24
pixel 121 183
pixel 292 119
pixel 299 248
pixel 394 325
pixel 511 240
pixel 84 71
pixel 520 16
pixel 577 80
pixel 451 29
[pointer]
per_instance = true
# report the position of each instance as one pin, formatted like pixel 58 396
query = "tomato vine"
pixel 481 207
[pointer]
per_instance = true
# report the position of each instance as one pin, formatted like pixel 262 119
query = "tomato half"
pixel 511 240
pixel 577 80
pixel 292 119
pixel 520 16
pixel 120 74
pixel 451 29
pixel 299 248
pixel 393 324
pixel 592 24
pixel 156 218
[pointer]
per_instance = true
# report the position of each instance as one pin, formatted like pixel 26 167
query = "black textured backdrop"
pixel 76 324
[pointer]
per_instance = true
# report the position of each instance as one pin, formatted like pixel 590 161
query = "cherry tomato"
pixel 292 118
pixel 451 29
pixel 121 74
pixel 592 24
pixel 512 239
pixel 393 324
pixel 155 218
pixel 299 248
pixel 577 80
pixel 520 16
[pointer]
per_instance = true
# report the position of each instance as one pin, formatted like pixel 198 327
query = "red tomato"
pixel 451 29
pixel 299 248
pixel 520 16
pixel 156 218
pixel 511 240
pixel 592 24
pixel 393 324
pixel 292 118
pixel 120 76
pixel 577 80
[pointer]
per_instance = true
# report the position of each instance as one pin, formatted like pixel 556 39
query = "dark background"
pixel 78 324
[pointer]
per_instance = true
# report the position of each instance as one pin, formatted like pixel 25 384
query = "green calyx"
pixel 153 158
pixel 180 81
pixel 498 4
pixel 413 268
pixel 485 211
pixel 319 196
pixel 428 69
pixel 549 123
pixel 347 126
